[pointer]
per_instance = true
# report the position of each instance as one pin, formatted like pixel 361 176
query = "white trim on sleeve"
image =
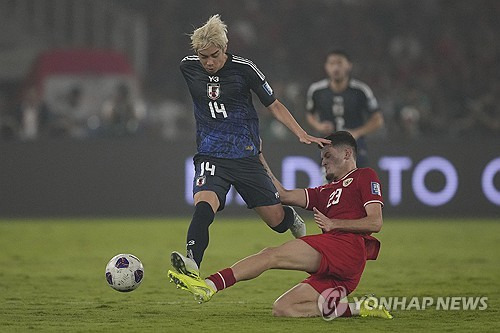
pixel 373 201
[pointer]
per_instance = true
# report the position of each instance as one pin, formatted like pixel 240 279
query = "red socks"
pixel 223 279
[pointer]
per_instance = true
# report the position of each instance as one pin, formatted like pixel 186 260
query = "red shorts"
pixel 343 258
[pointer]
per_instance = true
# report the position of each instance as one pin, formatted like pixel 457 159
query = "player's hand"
pixel 322 221
pixel 308 139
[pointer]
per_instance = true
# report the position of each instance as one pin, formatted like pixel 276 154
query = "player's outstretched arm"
pixel 296 197
pixel 281 113
pixel 371 223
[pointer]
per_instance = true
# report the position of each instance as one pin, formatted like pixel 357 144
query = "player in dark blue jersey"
pixel 340 102
pixel 226 121
pixel 227 135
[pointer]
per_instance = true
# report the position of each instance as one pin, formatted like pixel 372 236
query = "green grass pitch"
pixel 52 277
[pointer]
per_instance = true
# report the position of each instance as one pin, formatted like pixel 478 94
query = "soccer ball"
pixel 124 272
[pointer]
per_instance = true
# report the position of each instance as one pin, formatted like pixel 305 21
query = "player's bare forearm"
pixel 311 119
pixel 375 122
pixel 371 223
pixel 324 127
pixel 275 180
pixel 364 225
pixel 281 113
pixel 295 197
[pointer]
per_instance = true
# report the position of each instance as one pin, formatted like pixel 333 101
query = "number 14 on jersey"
pixel 217 108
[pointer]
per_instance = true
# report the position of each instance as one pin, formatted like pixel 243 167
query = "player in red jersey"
pixel 347 209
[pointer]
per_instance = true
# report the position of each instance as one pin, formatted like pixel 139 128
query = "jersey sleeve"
pixel 259 85
pixel 369 187
pixel 371 102
pixel 312 198
pixel 312 94
pixel 310 106
pixel 182 66
pixel 187 62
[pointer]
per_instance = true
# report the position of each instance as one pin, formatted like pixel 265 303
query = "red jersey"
pixel 346 199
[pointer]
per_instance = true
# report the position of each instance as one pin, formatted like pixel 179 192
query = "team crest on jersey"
pixel 213 90
pixel 376 188
pixel 347 182
pixel 200 181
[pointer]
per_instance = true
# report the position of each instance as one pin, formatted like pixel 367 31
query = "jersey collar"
pixel 345 176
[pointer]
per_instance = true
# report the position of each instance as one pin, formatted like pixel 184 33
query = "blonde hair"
pixel 213 32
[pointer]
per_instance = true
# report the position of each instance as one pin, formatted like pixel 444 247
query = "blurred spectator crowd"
pixel 434 66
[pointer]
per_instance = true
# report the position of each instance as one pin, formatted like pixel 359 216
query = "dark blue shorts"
pixel 247 175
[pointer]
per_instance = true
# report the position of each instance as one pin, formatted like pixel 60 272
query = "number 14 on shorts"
pixel 208 168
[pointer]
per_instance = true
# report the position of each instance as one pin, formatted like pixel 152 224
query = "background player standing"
pixel 340 102
pixel 228 140
pixel 347 209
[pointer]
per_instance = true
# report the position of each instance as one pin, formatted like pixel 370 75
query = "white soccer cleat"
pixel 298 228
pixel 184 265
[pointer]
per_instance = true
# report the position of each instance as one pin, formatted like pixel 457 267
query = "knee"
pixel 268 255
pixel 274 220
pixel 274 216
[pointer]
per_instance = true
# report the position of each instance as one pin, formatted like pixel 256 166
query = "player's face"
pixel 333 159
pixel 212 58
pixel 337 67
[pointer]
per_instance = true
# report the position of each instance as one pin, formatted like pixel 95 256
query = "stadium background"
pixel 433 65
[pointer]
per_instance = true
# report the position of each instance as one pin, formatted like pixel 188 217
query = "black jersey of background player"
pixel 347 109
pixel 227 125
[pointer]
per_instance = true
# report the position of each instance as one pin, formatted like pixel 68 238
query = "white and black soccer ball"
pixel 124 272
